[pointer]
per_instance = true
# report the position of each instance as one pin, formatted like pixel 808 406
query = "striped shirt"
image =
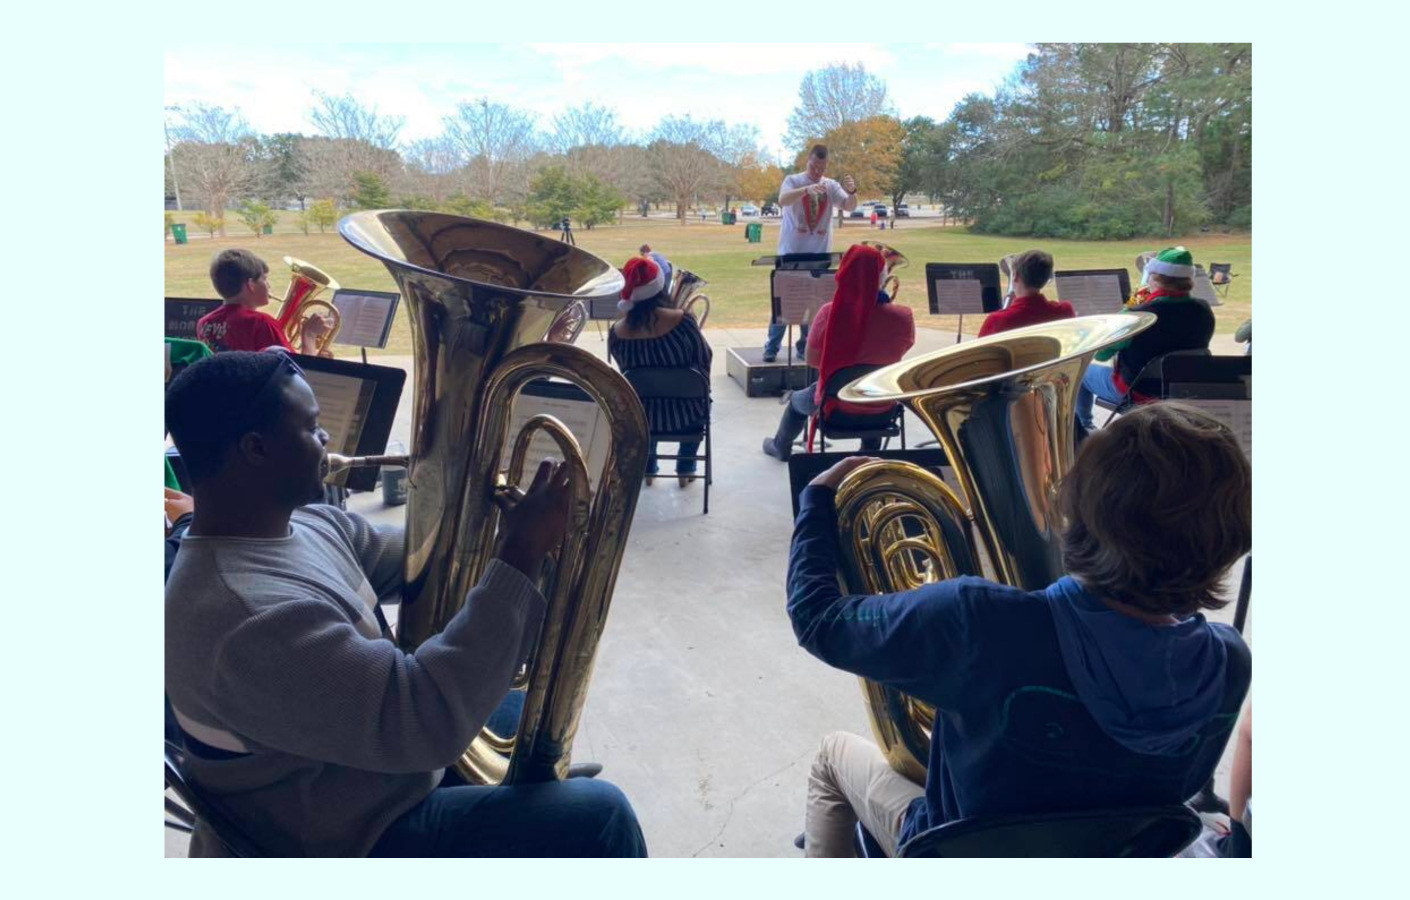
pixel 681 347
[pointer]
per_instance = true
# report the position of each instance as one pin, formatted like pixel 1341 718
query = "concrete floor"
pixel 702 707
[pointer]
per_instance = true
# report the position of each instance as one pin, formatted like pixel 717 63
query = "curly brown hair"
pixel 1157 508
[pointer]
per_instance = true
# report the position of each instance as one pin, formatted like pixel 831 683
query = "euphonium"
pixel 307 281
pixel 688 290
pixel 482 299
pixel 1003 409
pixel 894 260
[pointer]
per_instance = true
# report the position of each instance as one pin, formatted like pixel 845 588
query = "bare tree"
pixel 216 155
pixel 737 148
pixel 344 117
pixel 331 163
pixel 431 167
pixel 682 160
pixel 832 97
pixel 588 125
pixel 495 140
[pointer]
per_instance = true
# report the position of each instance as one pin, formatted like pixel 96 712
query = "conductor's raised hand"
pixel 537 523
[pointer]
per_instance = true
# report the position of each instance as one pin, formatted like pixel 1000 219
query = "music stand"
pixel 366 317
pixel 182 314
pixel 357 404
pixel 1094 292
pixel 801 301
pixel 955 289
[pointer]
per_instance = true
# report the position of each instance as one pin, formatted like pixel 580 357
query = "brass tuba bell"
pixel 687 291
pixel 483 301
pixel 894 259
pixel 1003 408
pixel 306 282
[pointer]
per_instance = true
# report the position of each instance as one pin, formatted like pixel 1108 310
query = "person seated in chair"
pixel 242 280
pixel 1031 271
pixel 1106 689
pixel 651 335
pixel 859 326
pixel 301 719
pixel 1184 322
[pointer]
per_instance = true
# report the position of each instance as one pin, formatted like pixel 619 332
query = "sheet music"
pixel 1237 414
pixel 583 418
pixel 343 403
pixel 1091 295
pixel 959 296
pixel 364 317
pixel 800 294
pixel 603 308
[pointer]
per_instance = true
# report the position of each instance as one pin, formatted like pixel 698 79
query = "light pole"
pixel 171 158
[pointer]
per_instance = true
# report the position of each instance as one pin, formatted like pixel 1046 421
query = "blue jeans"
pixel 575 818
pixel 683 466
pixel 775 338
pixel 578 817
pixel 1095 383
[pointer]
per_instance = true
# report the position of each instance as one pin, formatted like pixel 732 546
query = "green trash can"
pixel 269 229
pixel 727 217
pixel 754 232
pixel 178 232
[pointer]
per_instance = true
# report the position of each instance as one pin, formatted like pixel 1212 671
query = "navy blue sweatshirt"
pixel 1045 700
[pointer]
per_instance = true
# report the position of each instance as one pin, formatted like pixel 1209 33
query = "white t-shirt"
pixel 799 234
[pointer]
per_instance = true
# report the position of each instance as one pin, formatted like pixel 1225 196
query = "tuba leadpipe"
pixel 338 462
pixel 1003 409
pixel 306 282
pixel 487 304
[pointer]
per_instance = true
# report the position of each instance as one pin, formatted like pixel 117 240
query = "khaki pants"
pixel 851 780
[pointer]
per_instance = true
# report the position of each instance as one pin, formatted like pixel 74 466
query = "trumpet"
pixel 307 281
pixel 895 259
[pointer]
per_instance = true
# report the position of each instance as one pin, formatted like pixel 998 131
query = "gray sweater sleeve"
pixel 297 677
pixel 379 550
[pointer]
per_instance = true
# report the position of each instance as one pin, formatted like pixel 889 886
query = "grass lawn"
pixel 720 254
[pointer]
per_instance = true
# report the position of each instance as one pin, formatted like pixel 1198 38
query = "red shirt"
pixel 1033 309
pixel 890 333
pixel 235 327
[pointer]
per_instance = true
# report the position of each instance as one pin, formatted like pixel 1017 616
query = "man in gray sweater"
pixel 301 719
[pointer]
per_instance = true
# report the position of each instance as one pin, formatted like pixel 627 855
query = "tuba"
pixel 894 260
pixel 688 289
pixel 1003 409
pixel 482 300
pixel 306 281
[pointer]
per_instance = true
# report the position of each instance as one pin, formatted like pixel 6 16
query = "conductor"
pixel 808 200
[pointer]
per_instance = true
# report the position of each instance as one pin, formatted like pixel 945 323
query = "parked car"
pixel 880 211
pixel 859 213
pixel 771 210
pixel 903 211
pixel 749 210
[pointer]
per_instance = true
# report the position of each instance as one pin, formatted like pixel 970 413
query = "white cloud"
pixel 721 59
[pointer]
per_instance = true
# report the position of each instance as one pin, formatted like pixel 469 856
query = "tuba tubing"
pixel 488 307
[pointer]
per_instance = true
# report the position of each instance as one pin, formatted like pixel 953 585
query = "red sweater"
pixel 235 327
pixel 891 332
pixel 1033 309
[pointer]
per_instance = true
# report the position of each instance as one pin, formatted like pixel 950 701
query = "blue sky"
pixel 756 83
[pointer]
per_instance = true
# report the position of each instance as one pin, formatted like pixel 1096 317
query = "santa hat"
pixel 1175 262
pixel 644 281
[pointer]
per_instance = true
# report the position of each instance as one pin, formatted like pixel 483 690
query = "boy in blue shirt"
pixel 1106 689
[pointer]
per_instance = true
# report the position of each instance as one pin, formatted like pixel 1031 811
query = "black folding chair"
pixel 1153 831
pixel 197 807
pixel 1221 276
pixel 678 384
pixel 1150 381
pixel 850 426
